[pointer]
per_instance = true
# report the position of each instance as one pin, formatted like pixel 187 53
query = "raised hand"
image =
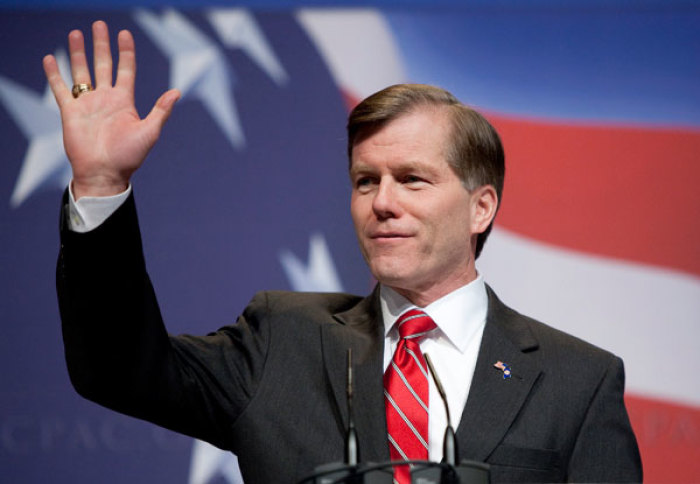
pixel 105 139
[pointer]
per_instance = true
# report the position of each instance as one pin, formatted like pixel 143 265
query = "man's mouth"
pixel 388 235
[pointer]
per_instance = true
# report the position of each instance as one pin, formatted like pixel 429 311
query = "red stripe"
pixel 402 434
pixel 669 438
pixel 628 193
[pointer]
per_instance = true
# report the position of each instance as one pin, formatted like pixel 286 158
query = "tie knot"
pixel 414 324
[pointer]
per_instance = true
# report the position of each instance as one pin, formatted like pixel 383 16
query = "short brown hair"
pixel 475 152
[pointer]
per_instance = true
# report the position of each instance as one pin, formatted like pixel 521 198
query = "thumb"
pixel 161 111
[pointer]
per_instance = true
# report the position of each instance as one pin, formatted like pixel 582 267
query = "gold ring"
pixel 78 89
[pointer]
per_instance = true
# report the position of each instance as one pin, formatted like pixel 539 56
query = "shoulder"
pixel 555 348
pixel 309 304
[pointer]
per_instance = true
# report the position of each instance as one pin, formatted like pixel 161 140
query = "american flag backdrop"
pixel 598 106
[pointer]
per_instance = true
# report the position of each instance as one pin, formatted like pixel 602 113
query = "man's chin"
pixel 392 277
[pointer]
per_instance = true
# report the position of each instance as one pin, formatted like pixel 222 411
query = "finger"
pixel 161 112
pixel 53 76
pixel 126 69
pixel 78 61
pixel 102 54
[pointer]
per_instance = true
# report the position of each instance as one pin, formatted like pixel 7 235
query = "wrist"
pixel 97 188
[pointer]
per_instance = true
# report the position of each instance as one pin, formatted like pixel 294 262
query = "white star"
pixel 319 275
pixel 238 29
pixel 209 462
pixel 198 68
pixel 45 163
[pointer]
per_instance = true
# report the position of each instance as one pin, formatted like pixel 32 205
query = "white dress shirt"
pixel 453 346
pixel 88 213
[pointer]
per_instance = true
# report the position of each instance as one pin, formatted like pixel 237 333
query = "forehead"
pixel 419 135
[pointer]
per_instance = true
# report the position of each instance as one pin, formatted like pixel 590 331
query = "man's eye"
pixel 412 179
pixel 363 182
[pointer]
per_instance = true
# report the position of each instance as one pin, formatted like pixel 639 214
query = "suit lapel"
pixel 494 401
pixel 361 330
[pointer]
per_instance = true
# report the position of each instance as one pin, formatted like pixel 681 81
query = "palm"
pixel 104 137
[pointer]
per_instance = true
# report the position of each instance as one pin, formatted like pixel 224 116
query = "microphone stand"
pixel 349 471
pixel 424 472
pixel 351 446
pixel 449 472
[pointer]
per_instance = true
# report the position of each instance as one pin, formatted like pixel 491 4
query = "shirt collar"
pixel 458 315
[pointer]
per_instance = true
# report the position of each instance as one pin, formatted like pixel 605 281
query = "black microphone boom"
pixel 351 447
pixel 449 443
pixel 352 472
pixel 467 472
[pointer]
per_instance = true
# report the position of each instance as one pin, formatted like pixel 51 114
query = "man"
pixel 427 174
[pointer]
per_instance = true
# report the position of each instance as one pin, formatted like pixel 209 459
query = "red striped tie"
pixel 406 394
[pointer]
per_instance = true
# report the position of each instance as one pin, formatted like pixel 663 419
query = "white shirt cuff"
pixel 88 213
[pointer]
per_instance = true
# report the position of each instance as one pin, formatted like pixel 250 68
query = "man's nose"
pixel 385 203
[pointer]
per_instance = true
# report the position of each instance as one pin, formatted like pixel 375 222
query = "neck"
pixel 423 297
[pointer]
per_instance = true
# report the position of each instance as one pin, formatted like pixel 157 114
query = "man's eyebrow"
pixel 359 167
pixel 400 167
pixel 417 167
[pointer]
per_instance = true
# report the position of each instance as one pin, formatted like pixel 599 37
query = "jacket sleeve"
pixel 606 449
pixel 119 353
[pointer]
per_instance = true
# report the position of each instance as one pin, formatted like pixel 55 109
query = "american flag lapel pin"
pixel 504 368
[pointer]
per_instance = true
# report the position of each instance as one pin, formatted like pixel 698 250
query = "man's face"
pixel 412 214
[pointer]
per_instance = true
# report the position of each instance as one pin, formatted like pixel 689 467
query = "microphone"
pixel 450 472
pixel 347 471
pixel 351 444
pixel 449 443
pixel 351 472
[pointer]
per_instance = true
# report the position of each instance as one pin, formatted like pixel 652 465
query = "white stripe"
pixel 417 335
pixel 418 362
pixel 411 318
pixel 646 315
pixel 361 63
pixel 408 385
pixel 398 449
pixel 405 419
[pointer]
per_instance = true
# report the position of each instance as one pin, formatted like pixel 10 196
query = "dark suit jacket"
pixel 271 388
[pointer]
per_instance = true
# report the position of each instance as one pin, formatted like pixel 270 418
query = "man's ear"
pixel 484 203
